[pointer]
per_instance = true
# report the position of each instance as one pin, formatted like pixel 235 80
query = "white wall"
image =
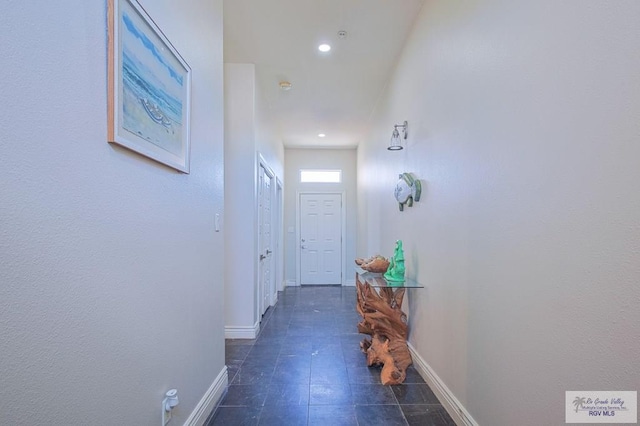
pixel 247 132
pixel 240 164
pixel 268 142
pixel 296 159
pixel 523 125
pixel 269 145
pixel 109 283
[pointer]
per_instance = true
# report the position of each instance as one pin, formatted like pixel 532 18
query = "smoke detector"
pixel 342 34
pixel 285 85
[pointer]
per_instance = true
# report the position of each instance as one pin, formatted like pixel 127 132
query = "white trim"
pixel 291 283
pixel 456 410
pixel 241 331
pixel 278 247
pixel 297 242
pixel 343 212
pixel 209 400
pixel 343 237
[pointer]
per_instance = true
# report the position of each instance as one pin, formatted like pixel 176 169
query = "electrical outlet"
pixel 166 415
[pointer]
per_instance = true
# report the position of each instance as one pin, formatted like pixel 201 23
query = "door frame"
pixel 343 231
pixel 259 294
pixel 278 248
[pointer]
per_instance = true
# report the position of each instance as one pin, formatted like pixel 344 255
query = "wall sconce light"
pixel 396 143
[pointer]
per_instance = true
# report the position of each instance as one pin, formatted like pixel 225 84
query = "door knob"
pixel 303 247
pixel 303 240
pixel 269 252
pixel 263 257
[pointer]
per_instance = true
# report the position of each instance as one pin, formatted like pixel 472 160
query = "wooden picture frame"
pixel 149 88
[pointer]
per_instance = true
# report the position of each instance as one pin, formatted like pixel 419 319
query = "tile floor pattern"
pixel 306 368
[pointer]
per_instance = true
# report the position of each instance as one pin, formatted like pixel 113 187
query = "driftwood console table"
pixel 379 302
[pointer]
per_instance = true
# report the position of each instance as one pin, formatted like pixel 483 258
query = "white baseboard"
pixel 456 410
pixel 241 332
pixel 350 282
pixel 292 283
pixel 209 400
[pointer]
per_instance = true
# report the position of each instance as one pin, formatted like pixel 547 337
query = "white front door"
pixel 265 251
pixel 320 239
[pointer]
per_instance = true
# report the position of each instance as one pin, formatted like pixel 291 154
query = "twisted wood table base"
pixel 384 321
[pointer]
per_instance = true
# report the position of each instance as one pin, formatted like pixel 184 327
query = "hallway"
pixel 306 368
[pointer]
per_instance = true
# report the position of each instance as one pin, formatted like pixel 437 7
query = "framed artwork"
pixel 149 88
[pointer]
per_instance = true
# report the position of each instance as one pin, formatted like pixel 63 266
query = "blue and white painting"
pixel 152 86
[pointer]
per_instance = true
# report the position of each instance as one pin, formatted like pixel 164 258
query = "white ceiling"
pixel 332 93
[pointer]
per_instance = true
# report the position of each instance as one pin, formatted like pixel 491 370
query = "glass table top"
pixel 377 280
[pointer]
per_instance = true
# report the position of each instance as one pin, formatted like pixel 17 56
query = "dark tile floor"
pixel 306 368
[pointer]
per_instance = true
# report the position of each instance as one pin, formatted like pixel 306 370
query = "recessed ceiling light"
pixel 285 85
pixel 321 135
pixel 324 48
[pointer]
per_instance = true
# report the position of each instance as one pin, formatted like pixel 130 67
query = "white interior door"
pixel 265 257
pixel 320 239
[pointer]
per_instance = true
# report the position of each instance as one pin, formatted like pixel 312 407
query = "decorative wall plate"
pixel 407 190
